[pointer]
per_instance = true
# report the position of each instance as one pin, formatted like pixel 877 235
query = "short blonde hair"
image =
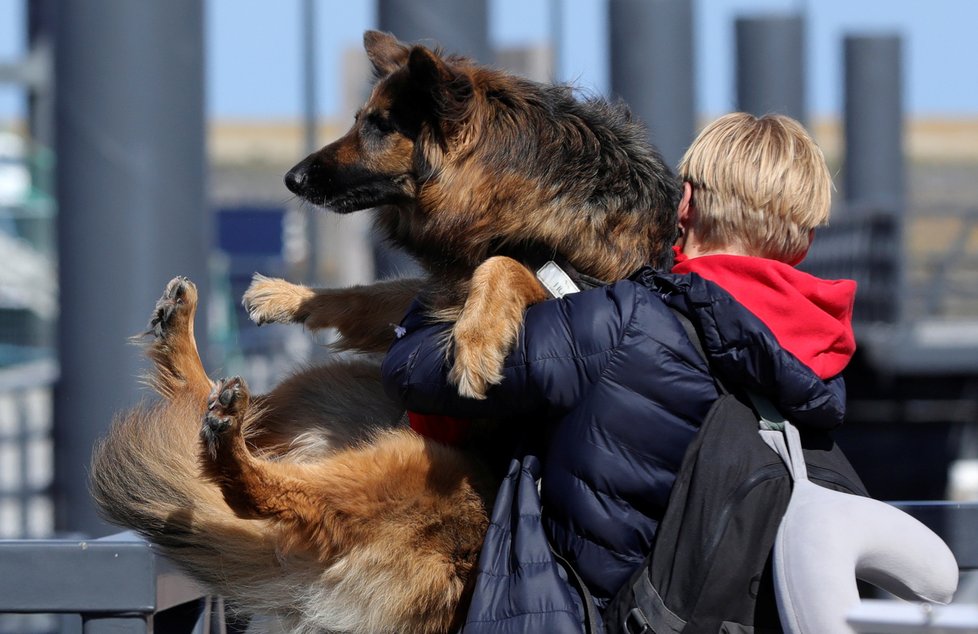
pixel 760 183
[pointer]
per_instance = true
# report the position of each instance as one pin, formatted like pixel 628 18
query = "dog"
pixel 467 166
pixel 315 503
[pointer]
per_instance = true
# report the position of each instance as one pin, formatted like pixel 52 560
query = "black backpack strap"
pixel 687 325
pixel 587 601
pixel 694 338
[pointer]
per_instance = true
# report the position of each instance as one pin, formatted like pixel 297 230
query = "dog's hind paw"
pixel 225 408
pixel 174 309
pixel 273 300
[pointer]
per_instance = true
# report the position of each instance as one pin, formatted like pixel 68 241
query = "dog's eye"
pixel 380 122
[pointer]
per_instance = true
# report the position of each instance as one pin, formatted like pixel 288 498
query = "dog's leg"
pixel 364 316
pixel 340 501
pixel 255 488
pixel 226 459
pixel 490 321
pixel 173 349
pixel 399 517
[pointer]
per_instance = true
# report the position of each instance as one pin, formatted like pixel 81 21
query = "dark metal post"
pixel 40 98
pixel 310 125
pixel 555 13
pixel 874 162
pixel 130 190
pixel 309 66
pixel 771 65
pixel 651 52
pixel 458 27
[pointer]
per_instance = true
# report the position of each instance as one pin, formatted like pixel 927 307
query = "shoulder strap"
pixel 775 430
pixel 781 436
pixel 690 329
pixel 694 338
pixel 587 601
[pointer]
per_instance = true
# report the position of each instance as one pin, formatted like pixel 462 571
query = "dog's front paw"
pixel 477 365
pixel 273 300
pixel 225 409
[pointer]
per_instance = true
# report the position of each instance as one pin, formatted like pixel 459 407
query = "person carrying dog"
pixel 611 382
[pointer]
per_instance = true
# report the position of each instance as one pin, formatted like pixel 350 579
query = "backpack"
pixel 710 565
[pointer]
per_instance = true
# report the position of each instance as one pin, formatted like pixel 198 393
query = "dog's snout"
pixel 296 179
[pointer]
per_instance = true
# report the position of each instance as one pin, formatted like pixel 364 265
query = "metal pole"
pixel 874 162
pixel 40 32
pixel 651 52
pixel 458 27
pixel 309 66
pixel 771 65
pixel 556 12
pixel 310 116
pixel 129 115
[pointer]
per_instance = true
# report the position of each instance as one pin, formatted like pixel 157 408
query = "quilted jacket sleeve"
pixel 561 352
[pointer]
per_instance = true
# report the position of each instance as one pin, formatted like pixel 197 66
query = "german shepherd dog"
pixel 314 503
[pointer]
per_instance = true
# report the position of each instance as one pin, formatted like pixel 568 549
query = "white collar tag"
pixel 556 280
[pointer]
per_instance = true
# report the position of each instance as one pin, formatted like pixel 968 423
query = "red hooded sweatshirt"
pixel 810 317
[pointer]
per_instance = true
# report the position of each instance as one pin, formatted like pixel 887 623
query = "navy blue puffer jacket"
pixel 612 379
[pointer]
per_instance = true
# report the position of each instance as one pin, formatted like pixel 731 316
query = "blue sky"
pixel 254 50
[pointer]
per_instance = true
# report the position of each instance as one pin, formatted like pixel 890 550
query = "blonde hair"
pixel 758 183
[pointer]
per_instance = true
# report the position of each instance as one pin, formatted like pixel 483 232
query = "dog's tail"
pixel 145 477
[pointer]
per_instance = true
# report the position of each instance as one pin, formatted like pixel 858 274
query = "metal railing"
pixel 114 584
pixel 121 583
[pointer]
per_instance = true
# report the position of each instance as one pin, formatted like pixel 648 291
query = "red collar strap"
pixel 444 429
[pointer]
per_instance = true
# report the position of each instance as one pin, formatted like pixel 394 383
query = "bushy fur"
pixel 466 164
pixel 314 503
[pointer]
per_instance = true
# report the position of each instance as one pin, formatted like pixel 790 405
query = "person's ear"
pixel 686 210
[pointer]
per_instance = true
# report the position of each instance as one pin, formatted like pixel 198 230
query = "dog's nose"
pixel 296 179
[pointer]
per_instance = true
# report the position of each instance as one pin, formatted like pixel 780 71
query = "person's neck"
pixel 693 248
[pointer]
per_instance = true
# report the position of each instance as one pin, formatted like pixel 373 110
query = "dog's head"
pixel 417 92
pixel 465 159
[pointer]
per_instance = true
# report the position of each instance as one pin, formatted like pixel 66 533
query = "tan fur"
pixel 357 524
pixel 490 321
pixel 364 316
pixel 485 326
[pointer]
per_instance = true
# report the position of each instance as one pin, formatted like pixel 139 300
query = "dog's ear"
pixel 385 52
pixel 449 90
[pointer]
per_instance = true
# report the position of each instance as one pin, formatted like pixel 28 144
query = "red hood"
pixel 810 317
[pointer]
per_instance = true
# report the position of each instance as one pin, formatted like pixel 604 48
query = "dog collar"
pixel 553 271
